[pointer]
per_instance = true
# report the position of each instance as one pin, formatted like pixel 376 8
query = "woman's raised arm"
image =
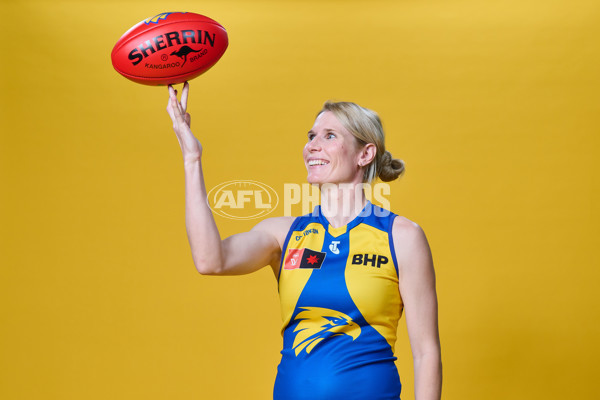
pixel 239 254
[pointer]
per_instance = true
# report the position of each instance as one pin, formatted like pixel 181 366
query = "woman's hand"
pixel 190 146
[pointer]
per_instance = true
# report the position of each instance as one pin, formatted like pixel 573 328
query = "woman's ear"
pixel 367 154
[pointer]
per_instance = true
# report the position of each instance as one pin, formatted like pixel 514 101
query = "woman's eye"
pixel 330 135
pixel 311 137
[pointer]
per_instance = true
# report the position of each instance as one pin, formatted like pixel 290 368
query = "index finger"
pixel 184 96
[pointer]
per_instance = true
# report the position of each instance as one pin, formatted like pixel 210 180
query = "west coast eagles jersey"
pixel 340 305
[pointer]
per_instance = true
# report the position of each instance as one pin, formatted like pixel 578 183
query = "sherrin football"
pixel 169 48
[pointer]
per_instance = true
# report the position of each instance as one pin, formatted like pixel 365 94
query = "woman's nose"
pixel 314 145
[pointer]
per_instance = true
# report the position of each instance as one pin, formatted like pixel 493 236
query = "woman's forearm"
pixel 203 235
pixel 428 376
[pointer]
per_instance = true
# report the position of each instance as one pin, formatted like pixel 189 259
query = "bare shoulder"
pixel 406 230
pixel 278 227
pixel 276 230
pixel 410 242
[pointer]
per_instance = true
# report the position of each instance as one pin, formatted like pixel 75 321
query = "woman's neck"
pixel 341 203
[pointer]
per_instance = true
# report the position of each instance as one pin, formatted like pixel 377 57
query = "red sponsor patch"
pixel 303 258
pixel 293 259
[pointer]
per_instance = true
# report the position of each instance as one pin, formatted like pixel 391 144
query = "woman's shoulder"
pixel 403 224
pixel 276 226
pixel 412 250
pixel 275 222
pixel 407 233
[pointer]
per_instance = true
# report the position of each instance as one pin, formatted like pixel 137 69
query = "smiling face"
pixel 332 154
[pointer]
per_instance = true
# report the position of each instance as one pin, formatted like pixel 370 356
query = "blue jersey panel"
pixel 341 304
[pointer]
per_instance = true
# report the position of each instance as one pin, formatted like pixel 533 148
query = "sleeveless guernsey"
pixel 340 305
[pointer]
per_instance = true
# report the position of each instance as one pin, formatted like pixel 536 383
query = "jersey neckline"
pixel 366 211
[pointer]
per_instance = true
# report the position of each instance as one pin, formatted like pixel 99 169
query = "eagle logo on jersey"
pixel 316 324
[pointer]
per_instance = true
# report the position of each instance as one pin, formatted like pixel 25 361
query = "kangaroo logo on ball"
pixel 183 53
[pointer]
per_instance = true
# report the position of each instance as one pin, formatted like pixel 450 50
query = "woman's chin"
pixel 314 180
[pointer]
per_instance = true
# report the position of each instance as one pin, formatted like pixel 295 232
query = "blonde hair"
pixel 365 126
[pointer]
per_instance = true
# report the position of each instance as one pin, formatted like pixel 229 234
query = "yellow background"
pixel 494 106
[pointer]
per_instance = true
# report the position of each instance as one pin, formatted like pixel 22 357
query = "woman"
pixel 345 272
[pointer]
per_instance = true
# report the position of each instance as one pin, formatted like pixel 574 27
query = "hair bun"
pixel 391 168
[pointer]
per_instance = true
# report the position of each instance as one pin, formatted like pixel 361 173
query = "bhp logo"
pixel 242 199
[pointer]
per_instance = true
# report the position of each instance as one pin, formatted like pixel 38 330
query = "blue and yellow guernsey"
pixel 340 305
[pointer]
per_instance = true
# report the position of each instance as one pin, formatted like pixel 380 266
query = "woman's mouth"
pixel 312 163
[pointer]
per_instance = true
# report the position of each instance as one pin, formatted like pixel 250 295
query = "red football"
pixel 169 48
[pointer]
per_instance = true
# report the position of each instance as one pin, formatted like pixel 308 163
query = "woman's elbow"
pixel 207 267
pixel 432 353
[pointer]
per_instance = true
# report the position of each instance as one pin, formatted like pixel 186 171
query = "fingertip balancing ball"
pixel 169 48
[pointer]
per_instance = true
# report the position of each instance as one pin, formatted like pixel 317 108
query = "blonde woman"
pixel 346 272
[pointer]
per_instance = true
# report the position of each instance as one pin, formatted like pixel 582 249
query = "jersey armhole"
pixel 284 247
pixel 392 248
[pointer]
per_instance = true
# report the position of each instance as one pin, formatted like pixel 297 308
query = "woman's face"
pixel 332 154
